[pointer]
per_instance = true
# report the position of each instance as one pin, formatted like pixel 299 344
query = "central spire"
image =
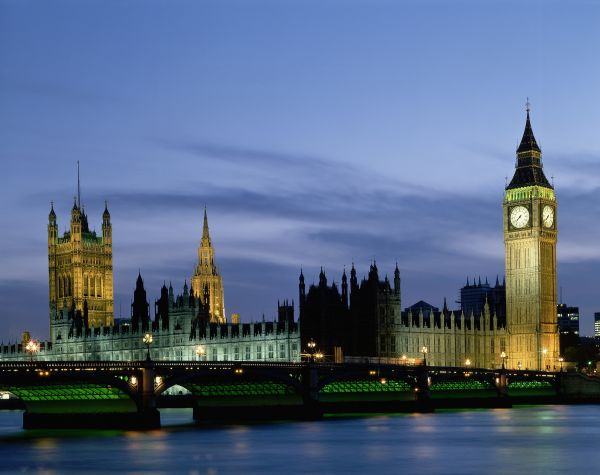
pixel 205 234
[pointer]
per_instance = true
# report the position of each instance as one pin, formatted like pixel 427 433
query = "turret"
pixel 106 226
pixel 161 308
pixel 322 279
pixel 52 226
pixel 140 310
pixel 344 289
pixel 373 273
pixel 171 295
pixel 353 279
pixel 192 302
pixel 301 290
pixel 75 222
pixel 397 280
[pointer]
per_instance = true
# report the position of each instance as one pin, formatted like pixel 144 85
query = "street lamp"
pixel 311 349
pixel 560 360
pixel 147 341
pixel 519 365
pixel 403 359
pixel 32 348
pixel 200 351
pixel 503 357
pixel 424 351
pixel 468 362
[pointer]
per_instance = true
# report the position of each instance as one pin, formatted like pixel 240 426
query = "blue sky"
pixel 316 132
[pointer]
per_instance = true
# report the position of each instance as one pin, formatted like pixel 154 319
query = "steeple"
pixel 52 214
pixel 207 274
pixel 397 280
pixel 205 233
pixel 528 142
pixel 529 169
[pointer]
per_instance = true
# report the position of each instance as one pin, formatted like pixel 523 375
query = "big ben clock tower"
pixel 530 230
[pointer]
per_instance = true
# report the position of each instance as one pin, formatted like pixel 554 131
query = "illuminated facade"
pixel 80 271
pixel 530 234
pixel 206 275
pixel 188 326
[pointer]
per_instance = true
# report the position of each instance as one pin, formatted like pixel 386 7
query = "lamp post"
pixel 32 347
pixel 311 349
pixel 403 359
pixel 560 360
pixel 468 362
pixel 424 351
pixel 147 341
pixel 503 358
pixel 200 352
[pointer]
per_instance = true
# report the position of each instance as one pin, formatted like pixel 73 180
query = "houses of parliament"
pixel 513 324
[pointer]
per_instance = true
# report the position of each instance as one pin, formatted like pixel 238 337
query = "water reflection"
pixel 526 440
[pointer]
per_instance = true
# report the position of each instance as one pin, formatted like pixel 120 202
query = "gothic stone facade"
pixel 80 267
pixel 189 326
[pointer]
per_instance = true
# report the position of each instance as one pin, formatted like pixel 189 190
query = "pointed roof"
pixel 529 171
pixel 205 234
pixel 528 141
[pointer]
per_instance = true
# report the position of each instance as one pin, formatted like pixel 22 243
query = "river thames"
pixel 523 440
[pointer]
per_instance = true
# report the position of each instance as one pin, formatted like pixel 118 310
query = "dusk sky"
pixel 317 133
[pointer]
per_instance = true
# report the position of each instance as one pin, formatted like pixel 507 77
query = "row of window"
pixel 215 354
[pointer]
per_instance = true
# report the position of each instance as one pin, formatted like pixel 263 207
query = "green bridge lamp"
pixel 468 362
pixel 147 341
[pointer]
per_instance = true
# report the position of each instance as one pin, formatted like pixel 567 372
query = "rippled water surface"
pixel 527 440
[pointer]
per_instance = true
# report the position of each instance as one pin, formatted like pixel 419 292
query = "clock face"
pixel 548 216
pixel 519 216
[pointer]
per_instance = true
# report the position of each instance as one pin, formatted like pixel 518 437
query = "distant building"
pixel 568 319
pixel 597 325
pixel 474 296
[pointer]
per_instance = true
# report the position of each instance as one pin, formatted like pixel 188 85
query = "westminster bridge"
pixel 125 394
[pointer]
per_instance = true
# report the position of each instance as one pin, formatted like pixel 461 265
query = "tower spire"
pixel 205 234
pixel 529 171
pixel 528 142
